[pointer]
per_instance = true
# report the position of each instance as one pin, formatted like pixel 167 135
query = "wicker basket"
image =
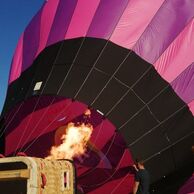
pixel 28 175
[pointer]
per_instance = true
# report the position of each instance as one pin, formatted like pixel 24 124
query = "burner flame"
pixel 74 142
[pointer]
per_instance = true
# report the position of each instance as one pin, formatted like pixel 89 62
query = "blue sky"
pixel 14 17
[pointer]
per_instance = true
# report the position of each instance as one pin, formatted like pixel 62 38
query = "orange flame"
pixel 74 142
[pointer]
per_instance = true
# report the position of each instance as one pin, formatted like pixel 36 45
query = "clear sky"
pixel 14 17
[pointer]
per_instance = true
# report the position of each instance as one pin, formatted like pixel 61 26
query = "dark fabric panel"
pixel 150 144
pixel 89 52
pixel 166 104
pixel 45 61
pixel 132 69
pixel 111 94
pixel 182 152
pixel 150 85
pixel 137 126
pixel 173 182
pixel 160 165
pixel 11 95
pixel 92 86
pixel 26 82
pixel 50 62
pixel 129 105
pixel 68 50
pixel 183 160
pixel 111 58
pixel 56 79
pixel 179 125
pixel 74 80
pixel 19 89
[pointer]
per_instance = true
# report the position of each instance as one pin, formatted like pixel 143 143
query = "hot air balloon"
pixel 131 64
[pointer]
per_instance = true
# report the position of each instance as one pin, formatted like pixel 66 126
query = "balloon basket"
pixel 29 175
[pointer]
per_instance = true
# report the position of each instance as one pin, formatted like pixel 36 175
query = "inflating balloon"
pixel 126 67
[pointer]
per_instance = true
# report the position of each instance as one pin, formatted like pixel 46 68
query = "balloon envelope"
pixel 131 62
